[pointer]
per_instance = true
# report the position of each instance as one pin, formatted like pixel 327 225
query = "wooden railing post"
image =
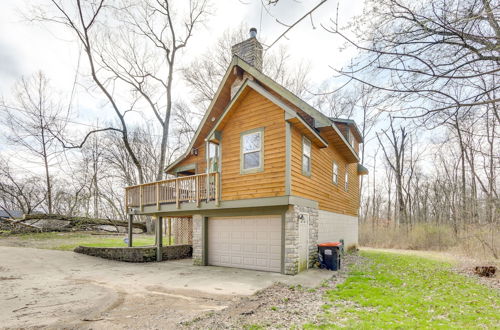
pixel 158 196
pixel 177 192
pixel 126 200
pixel 197 190
pixel 140 198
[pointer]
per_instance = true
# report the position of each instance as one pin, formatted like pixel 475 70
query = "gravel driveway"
pixel 46 288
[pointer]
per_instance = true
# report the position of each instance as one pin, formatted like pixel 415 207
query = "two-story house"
pixel 266 177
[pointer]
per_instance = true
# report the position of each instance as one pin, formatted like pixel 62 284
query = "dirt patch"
pixel 467 269
pixel 279 306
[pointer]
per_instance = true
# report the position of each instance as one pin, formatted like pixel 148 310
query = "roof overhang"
pixel 196 136
pixel 362 170
pixel 338 140
pixel 352 124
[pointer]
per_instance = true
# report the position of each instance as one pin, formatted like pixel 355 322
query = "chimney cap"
pixel 253 32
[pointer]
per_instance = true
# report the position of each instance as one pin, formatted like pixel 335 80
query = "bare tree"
pixel 205 74
pixel 81 19
pixel 31 118
pixel 394 155
pixel 19 193
pixel 144 51
pixel 420 53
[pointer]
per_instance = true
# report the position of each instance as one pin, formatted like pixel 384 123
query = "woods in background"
pixel 423 90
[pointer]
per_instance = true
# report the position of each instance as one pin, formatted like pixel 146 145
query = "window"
pixel 350 137
pixel 335 176
pixel 306 157
pixel 213 157
pixel 251 151
pixel 346 181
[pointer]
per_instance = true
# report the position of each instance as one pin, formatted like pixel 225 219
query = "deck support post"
pixel 158 196
pixel 159 239
pixel 130 228
pixel 169 231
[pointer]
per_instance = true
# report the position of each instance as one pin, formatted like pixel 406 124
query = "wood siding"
pixel 319 186
pixel 200 160
pixel 254 111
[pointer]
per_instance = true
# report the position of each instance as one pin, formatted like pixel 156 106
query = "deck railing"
pixel 188 189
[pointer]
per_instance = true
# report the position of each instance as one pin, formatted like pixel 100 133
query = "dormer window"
pixel 350 137
pixel 252 146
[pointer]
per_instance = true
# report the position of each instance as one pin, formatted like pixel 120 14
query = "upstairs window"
pixel 350 137
pixel 306 156
pixel 213 157
pixel 251 151
pixel 335 177
pixel 346 180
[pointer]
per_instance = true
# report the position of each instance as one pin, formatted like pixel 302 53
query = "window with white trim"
pixel 346 180
pixel 251 151
pixel 335 171
pixel 306 156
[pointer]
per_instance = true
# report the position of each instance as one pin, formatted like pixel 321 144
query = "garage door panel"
pixel 275 250
pixel 245 242
pixel 250 248
pixel 249 235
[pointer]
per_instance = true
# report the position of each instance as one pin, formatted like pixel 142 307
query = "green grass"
pixel 400 292
pixel 69 241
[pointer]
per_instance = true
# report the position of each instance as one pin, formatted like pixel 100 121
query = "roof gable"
pixel 296 109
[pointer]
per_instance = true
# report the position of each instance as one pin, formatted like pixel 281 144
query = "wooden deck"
pixel 189 189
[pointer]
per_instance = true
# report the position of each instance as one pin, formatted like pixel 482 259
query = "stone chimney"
pixel 250 50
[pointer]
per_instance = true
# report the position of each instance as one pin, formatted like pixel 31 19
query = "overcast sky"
pixel 26 47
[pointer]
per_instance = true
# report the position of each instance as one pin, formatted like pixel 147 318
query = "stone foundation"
pixel 291 262
pixel 137 254
pixel 198 240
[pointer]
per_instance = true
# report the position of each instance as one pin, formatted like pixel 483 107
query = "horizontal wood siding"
pixel 254 111
pixel 319 185
pixel 200 160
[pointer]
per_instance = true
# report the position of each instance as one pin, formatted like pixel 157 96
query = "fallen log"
pixel 58 222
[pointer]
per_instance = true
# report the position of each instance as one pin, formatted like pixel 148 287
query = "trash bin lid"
pixel 330 244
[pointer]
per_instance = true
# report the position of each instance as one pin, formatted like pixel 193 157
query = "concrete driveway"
pixel 65 289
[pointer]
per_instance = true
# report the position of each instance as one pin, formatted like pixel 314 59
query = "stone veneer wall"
pixel 198 240
pixel 137 254
pixel 291 256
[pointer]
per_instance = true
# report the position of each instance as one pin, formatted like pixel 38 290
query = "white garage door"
pixel 245 242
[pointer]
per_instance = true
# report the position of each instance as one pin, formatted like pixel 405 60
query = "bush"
pixel 481 241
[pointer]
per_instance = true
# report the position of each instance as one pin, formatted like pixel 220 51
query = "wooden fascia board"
pixel 207 113
pixel 285 93
pixel 233 101
pixel 336 130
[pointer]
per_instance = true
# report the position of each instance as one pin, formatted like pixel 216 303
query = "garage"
pixel 245 242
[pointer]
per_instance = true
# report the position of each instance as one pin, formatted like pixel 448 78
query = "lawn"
pixel 401 291
pixel 69 241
